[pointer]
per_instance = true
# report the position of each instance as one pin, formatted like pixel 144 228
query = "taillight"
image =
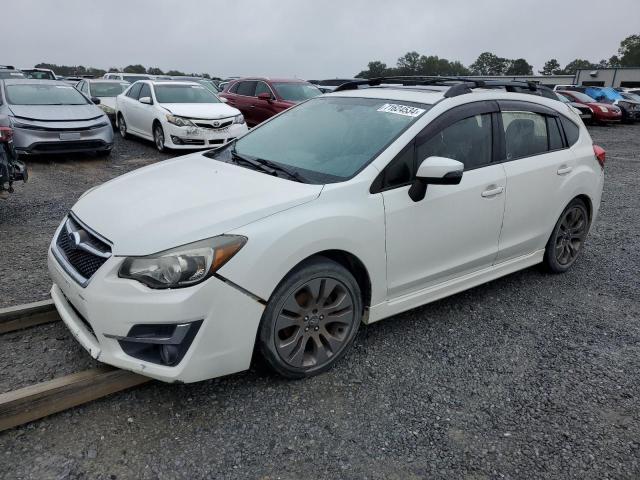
pixel 5 134
pixel 601 155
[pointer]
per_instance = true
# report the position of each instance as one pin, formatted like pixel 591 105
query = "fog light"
pixel 164 344
pixel 169 354
pixel 176 140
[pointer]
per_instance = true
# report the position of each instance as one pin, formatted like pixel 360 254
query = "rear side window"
pixel 247 89
pixel 571 130
pixel 468 140
pixel 555 137
pixel 134 91
pixel 525 134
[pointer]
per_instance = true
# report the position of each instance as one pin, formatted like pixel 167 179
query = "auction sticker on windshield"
pixel 401 110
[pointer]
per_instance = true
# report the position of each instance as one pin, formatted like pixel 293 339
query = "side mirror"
pixel 435 171
pixel 146 100
pixel 223 100
pixel 95 100
pixel 265 96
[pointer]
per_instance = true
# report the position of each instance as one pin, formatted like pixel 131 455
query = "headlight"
pixel 107 109
pixel 603 109
pixel 183 266
pixel 238 119
pixel 179 121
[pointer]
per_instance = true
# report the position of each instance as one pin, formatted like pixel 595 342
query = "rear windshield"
pixel 44 94
pixel 135 78
pixel 108 89
pixel 296 92
pixel 39 75
pixel 184 94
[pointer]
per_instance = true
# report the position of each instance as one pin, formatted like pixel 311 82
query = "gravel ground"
pixel 530 376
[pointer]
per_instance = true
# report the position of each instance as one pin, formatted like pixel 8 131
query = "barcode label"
pixel 401 110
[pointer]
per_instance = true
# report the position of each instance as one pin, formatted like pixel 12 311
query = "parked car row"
pixel 607 105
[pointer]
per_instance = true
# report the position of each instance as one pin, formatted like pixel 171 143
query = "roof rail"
pixel 458 85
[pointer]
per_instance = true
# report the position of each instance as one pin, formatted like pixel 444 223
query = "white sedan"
pixel 177 115
pixel 351 207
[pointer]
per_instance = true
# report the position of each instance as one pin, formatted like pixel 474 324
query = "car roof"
pixel 390 92
pixel 22 81
pixel 270 79
pixel 172 82
pixel 104 80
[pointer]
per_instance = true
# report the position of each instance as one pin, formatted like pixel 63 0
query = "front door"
pixel 455 229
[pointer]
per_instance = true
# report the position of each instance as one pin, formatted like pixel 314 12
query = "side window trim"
pixel 444 120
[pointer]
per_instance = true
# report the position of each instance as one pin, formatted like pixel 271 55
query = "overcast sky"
pixel 323 38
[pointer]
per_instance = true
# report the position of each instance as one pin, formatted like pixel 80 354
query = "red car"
pixel 602 112
pixel 261 98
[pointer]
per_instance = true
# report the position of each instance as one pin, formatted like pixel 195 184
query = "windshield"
pixel 631 96
pixel 135 78
pixel 583 97
pixel 44 94
pixel 329 139
pixel 11 74
pixel 562 98
pixel 184 94
pixel 108 89
pixel 209 85
pixel 296 92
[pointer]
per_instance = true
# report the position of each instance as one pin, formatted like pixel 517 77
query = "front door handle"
pixel 564 169
pixel 492 192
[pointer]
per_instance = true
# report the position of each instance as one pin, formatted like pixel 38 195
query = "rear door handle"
pixel 564 169
pixel 492 192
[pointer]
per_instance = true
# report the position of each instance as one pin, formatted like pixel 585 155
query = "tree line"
pixel 80 70
pixel 488 63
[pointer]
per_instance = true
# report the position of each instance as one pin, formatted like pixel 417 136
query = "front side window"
pixel 468 140
pixel 145 91
pixel 184 94
pixel 525 134
pixel 134 91
pixel 296 92
pixel 44 94
pixel 329 139
pixel 262 87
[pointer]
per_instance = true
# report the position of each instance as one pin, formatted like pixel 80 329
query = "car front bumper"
pixel 110 306
pixel 30 142
pixel 193 138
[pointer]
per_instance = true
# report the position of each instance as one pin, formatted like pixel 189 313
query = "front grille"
pixel 81 249
pixel 67 146
pixel 210 125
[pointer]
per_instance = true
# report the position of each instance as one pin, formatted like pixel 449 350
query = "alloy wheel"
pixel 158 135
pixel 314 323
pixel 571 235
pixel 122 126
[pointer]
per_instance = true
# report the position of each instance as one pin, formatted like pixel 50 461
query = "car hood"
pixel 180 201
pixel 209 111
pixel 56 112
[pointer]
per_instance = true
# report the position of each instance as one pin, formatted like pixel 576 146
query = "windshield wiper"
pixel 290 173
pixel 236 157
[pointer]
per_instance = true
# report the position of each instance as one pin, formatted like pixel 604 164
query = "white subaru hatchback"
pixel 351 207
pixel 177 115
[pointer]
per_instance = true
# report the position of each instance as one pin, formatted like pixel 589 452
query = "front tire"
pixel 568 236
pixel 122 127
pixel 311 319
pixel 158 137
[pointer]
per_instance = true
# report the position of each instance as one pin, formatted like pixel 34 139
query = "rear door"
pixel 538 164
pixel 144 114
pixel 245 99
pixel 129 104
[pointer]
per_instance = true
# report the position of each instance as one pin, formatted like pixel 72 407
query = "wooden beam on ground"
pixel 29 315
pixel 37 401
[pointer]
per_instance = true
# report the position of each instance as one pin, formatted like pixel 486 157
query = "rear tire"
pixel 311 319
pixel 568 236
